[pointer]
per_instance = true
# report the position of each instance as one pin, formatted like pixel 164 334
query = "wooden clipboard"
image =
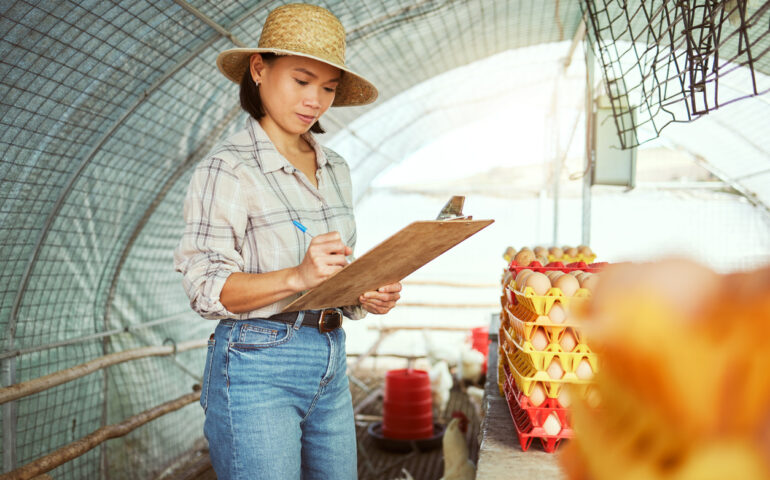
pixel 409 249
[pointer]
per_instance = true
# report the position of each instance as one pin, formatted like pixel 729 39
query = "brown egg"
pixel 509 253
pixel 584 370
pixel 568 341
pixel 552 425
pixel 553 275
pixel 585 250
pixel 571 252
pixel 539 251
pixel 539 340
pixel 556 252
pixel 567 284
pixel 582 276
pixel 507 276
pixel 537 397
pixel 524 257
pixel 539 283
pixel 554 370
pixel 575 273
pixel 557 314
pixel 591 282
pixel 542 259
pixel 519 284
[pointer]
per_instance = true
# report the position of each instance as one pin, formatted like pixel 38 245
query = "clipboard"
pixel 392 260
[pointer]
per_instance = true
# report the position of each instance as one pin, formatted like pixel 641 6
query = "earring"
pixel 256 82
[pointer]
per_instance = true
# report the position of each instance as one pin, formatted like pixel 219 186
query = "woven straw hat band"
pixel 305 29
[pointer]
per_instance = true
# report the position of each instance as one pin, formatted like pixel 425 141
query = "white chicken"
pixel 440 351
pixel 457 465
pixel 476 396
pixel 441 383
pixel 471 364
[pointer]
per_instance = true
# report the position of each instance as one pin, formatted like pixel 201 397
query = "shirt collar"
pixel 269 158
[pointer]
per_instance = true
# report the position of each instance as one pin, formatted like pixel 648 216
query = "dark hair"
pixel 250 100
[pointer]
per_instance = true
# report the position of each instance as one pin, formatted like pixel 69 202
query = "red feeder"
pixel 407 412
pixel 480 342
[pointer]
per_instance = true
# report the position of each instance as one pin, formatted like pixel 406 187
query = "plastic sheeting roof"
pixel 105 108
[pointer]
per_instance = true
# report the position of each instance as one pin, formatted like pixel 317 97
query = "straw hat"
pixel 308 31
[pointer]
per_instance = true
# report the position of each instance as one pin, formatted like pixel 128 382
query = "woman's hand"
pixel 382 300
pixel 325 256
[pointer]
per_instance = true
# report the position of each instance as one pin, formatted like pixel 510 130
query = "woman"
pixel 275 390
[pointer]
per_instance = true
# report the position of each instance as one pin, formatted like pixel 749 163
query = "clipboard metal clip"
pixel 453 210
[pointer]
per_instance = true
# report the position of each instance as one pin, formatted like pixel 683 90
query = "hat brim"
pixel 353 89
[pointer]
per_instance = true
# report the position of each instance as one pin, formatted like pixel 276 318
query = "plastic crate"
pixel 537 414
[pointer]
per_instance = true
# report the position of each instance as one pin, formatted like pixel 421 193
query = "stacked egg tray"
pixel 529 419
pixel 522 368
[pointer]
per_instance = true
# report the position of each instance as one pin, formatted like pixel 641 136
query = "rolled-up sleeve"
pixel 210 249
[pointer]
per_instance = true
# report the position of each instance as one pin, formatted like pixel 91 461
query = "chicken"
pixel 441 383
pixel 457 466
pixel 440 351
pixel 476 396
pixel 471 363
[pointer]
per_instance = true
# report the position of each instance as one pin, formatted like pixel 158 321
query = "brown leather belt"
pixel 324 320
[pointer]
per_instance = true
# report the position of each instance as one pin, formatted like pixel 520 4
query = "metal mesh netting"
pixel 105 107
pixel 674 61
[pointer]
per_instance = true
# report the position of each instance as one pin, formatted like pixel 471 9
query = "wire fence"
pixel 674 61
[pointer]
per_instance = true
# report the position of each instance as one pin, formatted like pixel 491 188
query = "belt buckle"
pixel 330 319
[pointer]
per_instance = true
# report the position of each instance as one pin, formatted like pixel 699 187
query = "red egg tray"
pixel 537 414
pixel 527 430
pixel 570 267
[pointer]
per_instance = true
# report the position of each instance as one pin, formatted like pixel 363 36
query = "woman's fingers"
pixel 382 300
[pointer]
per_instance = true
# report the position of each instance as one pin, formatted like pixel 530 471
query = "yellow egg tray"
pixel 501 360
pixel 526 376
pixel 567 259
pixel 524 323
pixel 541 359
pixel 542 304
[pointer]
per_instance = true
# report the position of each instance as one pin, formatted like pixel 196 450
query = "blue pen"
pixel 302 228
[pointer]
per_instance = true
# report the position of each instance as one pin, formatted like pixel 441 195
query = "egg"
pixel 552 425
pixel 539 339
pixel 557 314
pixel 575 273
pixel 567 284
pixel 539 283
pixel 590 283
pixel 539 251
pixel 584 370
pixel 542 259
pixel 524 257
pixel 554 370
pixel 564 398
pixel 568 341
pixel 571 252
pixel 509 253
pixel 556 252
pixel 537 397
pixel 585 250
pixel 582 276
pixel 519 284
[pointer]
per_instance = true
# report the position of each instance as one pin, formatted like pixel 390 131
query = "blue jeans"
pixel 278 403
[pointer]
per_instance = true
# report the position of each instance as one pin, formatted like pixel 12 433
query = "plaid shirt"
pixel 238 212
